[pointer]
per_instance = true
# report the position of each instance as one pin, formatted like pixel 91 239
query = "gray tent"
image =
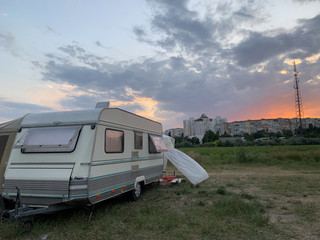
pixel 8 132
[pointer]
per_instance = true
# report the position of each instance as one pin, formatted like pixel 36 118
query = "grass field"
pixel 252 193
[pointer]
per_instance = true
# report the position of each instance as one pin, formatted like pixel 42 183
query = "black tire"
pixel 136 192
pixel 24 225
pixel 27 225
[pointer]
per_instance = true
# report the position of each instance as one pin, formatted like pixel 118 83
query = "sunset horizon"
pixel 164 60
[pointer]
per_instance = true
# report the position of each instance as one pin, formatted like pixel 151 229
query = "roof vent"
pixel 102 104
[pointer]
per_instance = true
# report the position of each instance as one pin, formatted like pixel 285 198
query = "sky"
pixel 167 60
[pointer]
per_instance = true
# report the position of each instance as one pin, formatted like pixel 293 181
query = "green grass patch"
pixel 287 157
pixel 252 193
pixel 195 213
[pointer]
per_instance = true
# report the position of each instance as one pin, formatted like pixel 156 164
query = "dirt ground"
pixel 292 198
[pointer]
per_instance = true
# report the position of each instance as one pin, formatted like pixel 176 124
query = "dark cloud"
pixel 76 75
pixel 87 101
pixel 8 41
pixel 98 44
pixel 72 50
pixel 139 32
pixel 82 102
pixel 303 41
pixel 50 30
pixel 11 110
pixel 179 28
pixel 80 54
pixel 207 74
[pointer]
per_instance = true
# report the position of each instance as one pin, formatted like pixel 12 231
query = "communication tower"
pixel 298 101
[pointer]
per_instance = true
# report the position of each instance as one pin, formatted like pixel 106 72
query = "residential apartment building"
pixel 174 132
pixel 267 125
pixel 197 127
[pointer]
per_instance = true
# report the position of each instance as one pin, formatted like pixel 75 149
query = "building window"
pixel 138 143
pixel 114 141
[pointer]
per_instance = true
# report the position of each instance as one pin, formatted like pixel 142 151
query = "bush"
pixel 242 156
pixel 227 144
pixel 238 143
pixel 184 145
pixel 217 143
pixel 208 144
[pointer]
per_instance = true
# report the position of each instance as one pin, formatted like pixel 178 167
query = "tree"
pixel 209 136
pixel 287 133
pixel 195 141
pixel 248 137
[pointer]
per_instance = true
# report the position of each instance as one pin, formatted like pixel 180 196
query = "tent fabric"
pixel 11 126
pixel 8 132
pixel 185 164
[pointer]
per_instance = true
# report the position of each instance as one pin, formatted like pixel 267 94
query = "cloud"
pixel 10 110
pixel 303 41
pixel 8 41
pixel 305 1
pixel 50 30
pixel 180 29
pixel 203 68
pixel 99 44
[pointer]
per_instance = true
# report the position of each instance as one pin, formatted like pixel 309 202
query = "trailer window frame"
pixel 121 149
pixel 156 144
pixel 138 140
pixel 29 142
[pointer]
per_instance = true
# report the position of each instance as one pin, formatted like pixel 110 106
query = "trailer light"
pixel 113 190
pixel 124 186
pixel 121 190
pixel 97 196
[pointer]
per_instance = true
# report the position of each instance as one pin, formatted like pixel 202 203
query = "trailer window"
pixel 156 144
pixel 114 141
pixel 49 139
pixel 138 143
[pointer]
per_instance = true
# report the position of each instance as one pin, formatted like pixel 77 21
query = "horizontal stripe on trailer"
pixel 36 195
pixel 129 171
pixel 104 162
pixel 122 185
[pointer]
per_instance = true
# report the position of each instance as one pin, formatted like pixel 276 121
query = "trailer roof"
pixel 94 116
pixel 61 118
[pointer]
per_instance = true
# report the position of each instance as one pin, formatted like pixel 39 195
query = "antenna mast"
pixel 299 110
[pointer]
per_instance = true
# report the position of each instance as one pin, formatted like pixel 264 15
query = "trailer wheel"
pixel 136 192
pixel 27 224
pixel 24 225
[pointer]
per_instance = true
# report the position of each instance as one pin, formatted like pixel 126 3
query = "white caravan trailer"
pixel 82 157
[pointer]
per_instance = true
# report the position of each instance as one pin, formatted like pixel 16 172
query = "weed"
pixel 247 196
pixel 221 190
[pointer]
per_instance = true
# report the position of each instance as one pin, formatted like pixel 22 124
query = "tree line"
pixel 301 136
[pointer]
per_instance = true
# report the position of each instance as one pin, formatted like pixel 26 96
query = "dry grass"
pixel 277 199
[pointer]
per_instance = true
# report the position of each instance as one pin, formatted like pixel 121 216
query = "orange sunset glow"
pixel 148 105
pixel 169 61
